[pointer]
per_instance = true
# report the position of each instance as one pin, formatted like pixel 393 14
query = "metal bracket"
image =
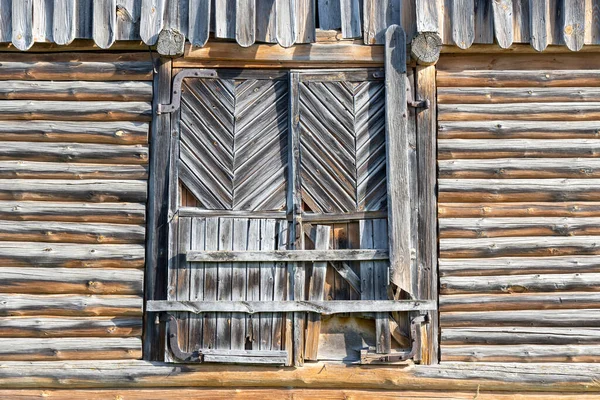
pixel 176 89
pixel 173 343
pixel 425 104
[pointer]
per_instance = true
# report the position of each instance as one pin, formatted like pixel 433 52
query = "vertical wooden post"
pixel 396 135
pixel 427 233
pixel 157 211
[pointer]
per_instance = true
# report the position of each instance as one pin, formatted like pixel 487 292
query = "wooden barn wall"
pixel 73 183
pixel 519 207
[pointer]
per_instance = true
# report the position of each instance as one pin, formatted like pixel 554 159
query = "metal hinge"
pixel 176 88
pixel 173 343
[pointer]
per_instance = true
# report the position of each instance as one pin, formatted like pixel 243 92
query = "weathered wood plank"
pixel 378 15
pixel 538 209
pixel 518 301
pixel 199 22
pixel 573 29
pixel 517 95
pixel 427 13
pixel 287 255
pixel 104 22
pixel 22 24
pixel 239 284
pixel 350 13
pixel 70 305
pixel 58 170
pixel 66 71
pixel 503 22
pixel 463 23
pixel 224 281
pixel 152 20
pixel 267 278
pixel 196 291
pixel 245 22
pixel 524 78
pixel 45 156
pixel 57 327
pixel 110 213
pixel 517 111
pixel 79 111
pixel 285 22
pixel 520 353
pixel 326 307
pixel 70 349
pixel 77 90
pixel 64 21
pixel 245 356
pixel 520 168
pixel 527 246
pixel 539 13
pixel 209 325
pixel 532 318
pixel 517 130
pixel 329 14
pixel 398 185
pixel 305 21
pixel 224 15
pixel 519 335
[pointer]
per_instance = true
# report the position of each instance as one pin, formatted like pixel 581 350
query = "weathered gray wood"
pixel 519 335
pixel 531 149
pixel 378 16
pixel 64 21
pixel 210 283
pixel 516 95
pixel 253 284
pixel 425 48
pixel 545 318
pixel 520 283
pixel 517 111
pixel 267 278
pixel 245 356
pixel 525 78
pixel 463 23
pixel 348 274
pixel 61 327
pixel 151 22
pixel 76 90
pixel 6 20
pixel 503 22
pixel 58 170
pixel 288 255
pixel 22 24
pixel 104 23
pixel 305 21
pixel 350 12
pixel 199 212
pixel 381 281
pixel 224 19
pixel 329 14
pixel 69 349
pixel 46 155
pixel 326 307
pixel 285 22
pixel 518 301
pixel 398 185
pixel 199 22
pixel 170 43
pixel 79 111
pixel 516 353
pixel 245 22
pixel 316 292
pixel 282 323
pixel 113 213
pixel 70 305
pixel 427 16
pixel 515 129
pixel 239 284
pixel 342 217
pixel 574 24
pixel 266 30
pixel 539 14
pixel 520 209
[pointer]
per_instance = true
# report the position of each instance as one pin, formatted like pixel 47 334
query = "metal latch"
pixel 410 98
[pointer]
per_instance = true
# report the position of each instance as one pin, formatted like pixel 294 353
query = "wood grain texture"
pixel 463 23
pixel 574 24
pixel 537 209
pixel 519 301
pixel 22 24
pixel 539 15
pixel 245 22
pixel 151 22
pixel 64 21
pixel 12 328
pixel 503 22
pixel 70 305
pixel 70 349
pixel 199 22
pixel 104 22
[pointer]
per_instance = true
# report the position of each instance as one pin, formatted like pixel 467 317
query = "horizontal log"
pixel 327 307
pixel 69 305
pixel 74 111
pixel 518 130
pixel 518 190
pixel 67 255
pixel 110 132
pixel 71 280
pixel 520 335
pixel 75 152
pixel 540 168
pixel 487 95
pixel 524 226
pixel 89 190
pixel 71 232
pixel 588 282
pixel 111 213
pixel 519 246
pixel 64 170
pixel 522 353
pixel 519 111
pixel 273 357
pixel 537 209
pixel 517 301
pixel 287 255
pixel 518 265
pixel 518 78
pixel 76 70
pixel 545 318
pixel 512 148
pixel 70 349
pixel 56 327
pixel 76 90
pixel 522 57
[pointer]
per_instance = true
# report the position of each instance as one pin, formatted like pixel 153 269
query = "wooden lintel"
pixel 287 255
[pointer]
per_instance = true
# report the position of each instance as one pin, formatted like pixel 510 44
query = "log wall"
pixel 73 183
pixel 519 199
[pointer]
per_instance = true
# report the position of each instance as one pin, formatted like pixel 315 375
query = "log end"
pixel 426 47
pixel 171 43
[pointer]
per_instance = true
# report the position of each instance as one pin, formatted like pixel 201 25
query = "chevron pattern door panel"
pixel 233 142
pixel 342 152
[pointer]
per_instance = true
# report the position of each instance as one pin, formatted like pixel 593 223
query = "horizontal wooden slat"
pixel 519 265
pixel 67 71
pixel 69 305
pixel 63 170
pixel 510 148
pixel 587 282
pixel 92 190
pixel 485 95
pixel 518 190
pixel 51 327
pixel 70 349
pixel 75 111
pixel 539 168
pixel 537 209
pixel 547 318
pixel 287 255
pixel 119 132
pixel 521 57
pixel 245 356
pixel 496 129
pixel 518 301
pixel 518 78
pixel 70 232
pixel 506 227
pixel 76 90
pixel 522 353
pixel 111 213
pixel 321 307
pixel 75 152
pixel 571 111
pixel 520 335
pixel 520 246
pixel 199 212
pixel 71 280
pixel 23 254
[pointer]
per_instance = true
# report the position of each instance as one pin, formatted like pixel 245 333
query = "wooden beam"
pixel 287 255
